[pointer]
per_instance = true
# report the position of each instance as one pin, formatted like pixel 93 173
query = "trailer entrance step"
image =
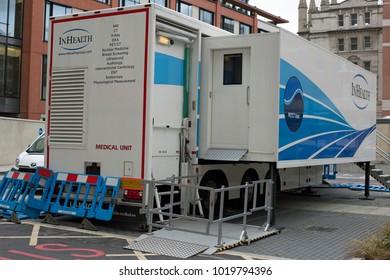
pixel 185 244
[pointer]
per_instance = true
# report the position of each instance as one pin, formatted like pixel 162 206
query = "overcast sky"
pixel 287 9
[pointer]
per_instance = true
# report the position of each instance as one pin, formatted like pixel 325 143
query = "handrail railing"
pixel 379 150
pixel 189 194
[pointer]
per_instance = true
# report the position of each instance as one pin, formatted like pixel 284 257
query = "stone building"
pixel 351 29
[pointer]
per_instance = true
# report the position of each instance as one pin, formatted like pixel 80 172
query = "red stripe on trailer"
pixel 27 176
pixel 15 175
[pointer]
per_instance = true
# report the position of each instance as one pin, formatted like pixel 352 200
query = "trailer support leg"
pixel 367 182
pixel 273 172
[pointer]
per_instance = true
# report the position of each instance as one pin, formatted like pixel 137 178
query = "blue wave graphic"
pixel 289 101
pixel 324 132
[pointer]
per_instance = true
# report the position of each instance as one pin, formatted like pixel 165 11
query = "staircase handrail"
pixel 383 137
pixel 383 154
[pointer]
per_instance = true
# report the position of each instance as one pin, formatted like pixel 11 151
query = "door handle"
pixel 248 95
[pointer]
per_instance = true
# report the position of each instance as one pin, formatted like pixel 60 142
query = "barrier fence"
pixel 49 193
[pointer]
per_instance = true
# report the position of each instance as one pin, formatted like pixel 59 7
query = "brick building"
pixel 24 34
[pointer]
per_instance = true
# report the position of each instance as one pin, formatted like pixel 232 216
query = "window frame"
pixel 242 26
pixel 341 44
pixel 47 16
pixel 233 69
pixel 340 19
pixel 354 19
pixel 207 12
pixel 224 24
pixel 354 45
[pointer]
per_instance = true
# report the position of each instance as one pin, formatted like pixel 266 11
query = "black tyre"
pixel 213 179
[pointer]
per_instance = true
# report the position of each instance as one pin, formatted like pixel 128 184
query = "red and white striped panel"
pixel 45 172
pixel 77 178
pixel 19 175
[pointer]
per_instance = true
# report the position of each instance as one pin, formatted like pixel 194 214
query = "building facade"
pixel 24 34
pixel 351 29
pixel 386 58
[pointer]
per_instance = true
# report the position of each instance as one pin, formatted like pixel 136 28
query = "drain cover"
pixel 167 247
pixel 323 229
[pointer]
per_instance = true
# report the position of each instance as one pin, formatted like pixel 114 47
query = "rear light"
pixel 132 194
pixel 132 189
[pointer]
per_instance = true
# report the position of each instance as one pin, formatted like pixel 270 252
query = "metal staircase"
pixel 377 173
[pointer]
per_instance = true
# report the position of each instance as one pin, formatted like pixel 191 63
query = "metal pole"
pixel 221 205
pixel 273 173
pixel 367 172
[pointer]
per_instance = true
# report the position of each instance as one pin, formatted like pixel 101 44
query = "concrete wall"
pixel 15 136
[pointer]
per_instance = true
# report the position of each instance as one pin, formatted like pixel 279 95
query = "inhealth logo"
pixel 360 92
pixel 75 39
pixel 293 104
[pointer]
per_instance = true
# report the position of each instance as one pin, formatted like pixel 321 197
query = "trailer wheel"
pixel 249 176
pixel 213 179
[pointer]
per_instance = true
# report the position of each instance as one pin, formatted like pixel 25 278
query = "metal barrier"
pixel 80 195
pixel 13 191
pixel 39 191
pixel 190 196
pixel 43 192
pixel 360 187
pixel 106 199
pixel 73 195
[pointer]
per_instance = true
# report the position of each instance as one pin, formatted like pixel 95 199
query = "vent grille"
pixel 67 107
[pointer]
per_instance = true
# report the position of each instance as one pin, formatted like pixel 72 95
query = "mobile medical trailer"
pixel 144 92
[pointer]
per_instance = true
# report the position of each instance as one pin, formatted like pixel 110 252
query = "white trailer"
pixel 144 92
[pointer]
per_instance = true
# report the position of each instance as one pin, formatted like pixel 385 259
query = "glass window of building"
pixel 245 29
pixel 10 62
pixel 11 18
pixel 367 65
pixel 354 44
pixel 341 45
pixel 3 18
pixel 227 24
pixel 12 71
pixel 353 19
pixel 53 9
pixel 367 18
pixel 184 8
pixel 367 42
pixel 44 77
pixel 341 20
pixel 160 2
pixel 2 69
pixel 103 1
pixel 123 3
pixel 206 16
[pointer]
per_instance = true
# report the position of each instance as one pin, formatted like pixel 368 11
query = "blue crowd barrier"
pixel 68 194
pixel 39 192
pixel 361 187
pixel 74 194
pixel 14 189
pixel 106 200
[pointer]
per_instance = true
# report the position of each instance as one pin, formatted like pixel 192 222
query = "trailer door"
pixel 230 99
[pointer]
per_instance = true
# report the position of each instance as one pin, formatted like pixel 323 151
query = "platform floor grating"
pixel 167 247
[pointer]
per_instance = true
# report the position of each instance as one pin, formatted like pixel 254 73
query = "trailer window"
pixel 232 69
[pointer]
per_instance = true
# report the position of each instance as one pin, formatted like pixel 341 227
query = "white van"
pixel 32 157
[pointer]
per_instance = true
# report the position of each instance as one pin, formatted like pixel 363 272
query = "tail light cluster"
pixel 132 189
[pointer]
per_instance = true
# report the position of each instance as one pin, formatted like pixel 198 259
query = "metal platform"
pixel 184 244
